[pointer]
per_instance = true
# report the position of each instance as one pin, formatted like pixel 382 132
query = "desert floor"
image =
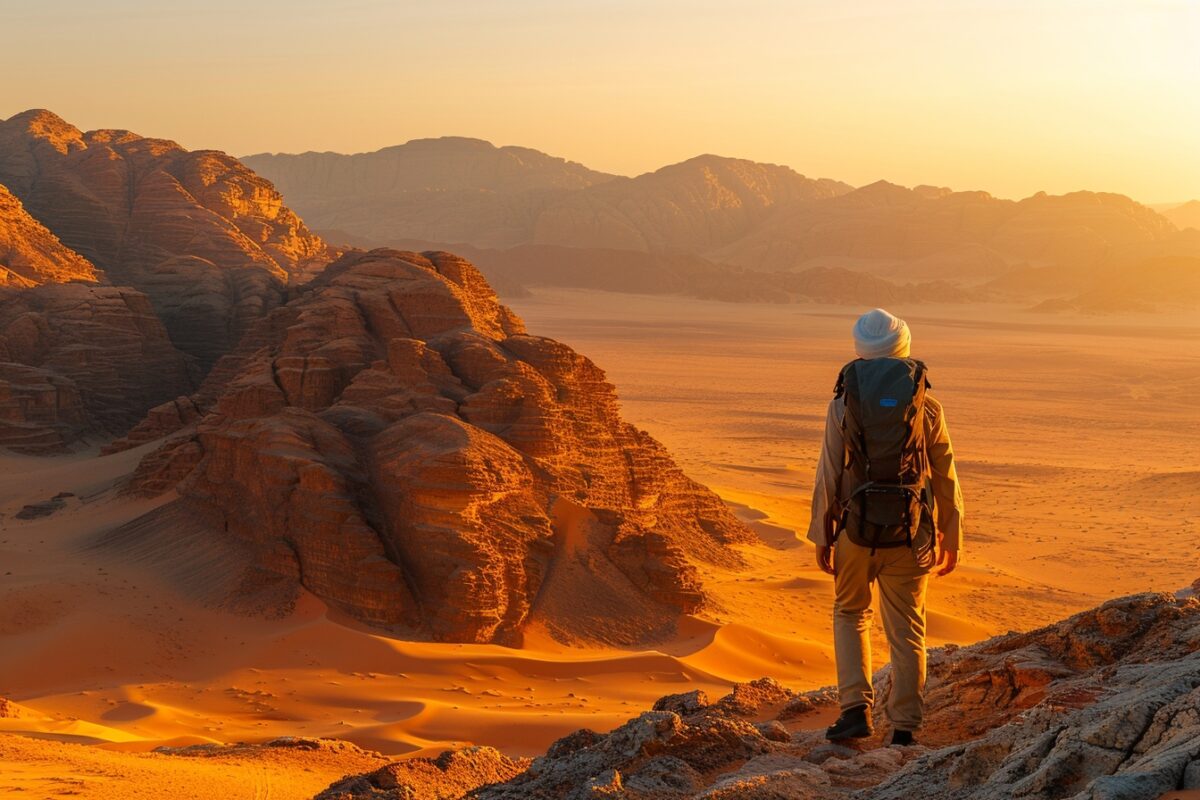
pixel 1076 439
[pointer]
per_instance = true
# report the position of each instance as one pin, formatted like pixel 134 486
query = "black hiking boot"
pixel 902 738
pixel 854 723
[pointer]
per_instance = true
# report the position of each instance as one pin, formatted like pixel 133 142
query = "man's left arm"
pixel 947 491
pixel 825 487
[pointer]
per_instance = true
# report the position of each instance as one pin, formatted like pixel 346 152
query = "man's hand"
pixel 947 560
pixel 825 559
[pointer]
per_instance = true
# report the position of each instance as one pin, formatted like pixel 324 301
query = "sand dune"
pixel 104 647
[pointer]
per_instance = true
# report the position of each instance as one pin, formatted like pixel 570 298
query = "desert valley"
pixel 297 495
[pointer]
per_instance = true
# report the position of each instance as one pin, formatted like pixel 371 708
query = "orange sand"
pixel 1078 483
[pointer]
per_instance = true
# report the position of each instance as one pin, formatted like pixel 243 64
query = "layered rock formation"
pixel 393 441
pixel 208 241
pixel 79 361
pixel 31 255
pixel 1102 705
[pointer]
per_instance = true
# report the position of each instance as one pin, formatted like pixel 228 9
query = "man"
pixel 886 509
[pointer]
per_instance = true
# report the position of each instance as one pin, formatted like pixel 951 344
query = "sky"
pixel 1008 96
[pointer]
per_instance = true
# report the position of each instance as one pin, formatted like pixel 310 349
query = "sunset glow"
pixel 1008 97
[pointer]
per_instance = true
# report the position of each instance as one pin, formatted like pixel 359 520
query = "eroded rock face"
pixel 450 775
pixel 1105 704
pixel 208 241
pixel 395 442
pixel 80 360
pixel 31 255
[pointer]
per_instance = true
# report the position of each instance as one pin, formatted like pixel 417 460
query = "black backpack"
pixel 887 499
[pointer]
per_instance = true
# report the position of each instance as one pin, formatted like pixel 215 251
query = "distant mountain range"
pixel 1184 215
pixel 733 229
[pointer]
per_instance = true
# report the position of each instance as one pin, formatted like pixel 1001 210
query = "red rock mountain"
pixel 208 241
pixel 79 361
pixel 393 441
pixel 31 255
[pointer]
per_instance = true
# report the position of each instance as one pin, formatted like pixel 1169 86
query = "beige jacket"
pixel 947 495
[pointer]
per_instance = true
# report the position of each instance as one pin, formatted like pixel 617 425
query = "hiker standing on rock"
pixel 886 509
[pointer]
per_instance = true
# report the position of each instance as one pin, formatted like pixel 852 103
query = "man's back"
pixel 900 566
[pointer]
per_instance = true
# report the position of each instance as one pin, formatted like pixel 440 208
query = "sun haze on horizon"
pixel 1008 97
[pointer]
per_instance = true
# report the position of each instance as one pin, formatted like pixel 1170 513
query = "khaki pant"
pixel 902 582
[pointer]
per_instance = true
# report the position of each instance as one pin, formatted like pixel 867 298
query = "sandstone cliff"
pixel 31 255
pixel 208 241
pixel 79 361
pixel 1101 705
pixel 392 440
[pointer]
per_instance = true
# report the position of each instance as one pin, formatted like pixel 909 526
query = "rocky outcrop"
pixel 208 241
pixel 79 361
pixel 395 442
pixel 447 777
pixel 31 255
pixel 1101 705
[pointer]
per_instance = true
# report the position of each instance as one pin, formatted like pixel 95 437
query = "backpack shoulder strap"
pixel 839 388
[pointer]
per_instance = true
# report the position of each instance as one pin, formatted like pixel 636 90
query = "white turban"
pixel 878 334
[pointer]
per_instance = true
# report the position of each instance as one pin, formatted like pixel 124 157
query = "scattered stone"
pixel 683 704
pixel 451 775
pixel 44 508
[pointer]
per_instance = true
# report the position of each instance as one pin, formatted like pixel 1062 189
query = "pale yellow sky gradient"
pixel 1011 97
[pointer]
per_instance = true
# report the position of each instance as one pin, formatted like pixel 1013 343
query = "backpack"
pixel 887 501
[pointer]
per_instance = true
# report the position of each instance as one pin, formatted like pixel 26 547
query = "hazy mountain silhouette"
pixel 1184 215
pixel 723 228
pixel 449 189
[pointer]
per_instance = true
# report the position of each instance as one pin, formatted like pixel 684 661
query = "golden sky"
pixel 1008 96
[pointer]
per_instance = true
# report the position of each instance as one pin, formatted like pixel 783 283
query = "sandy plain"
pixel 1076 439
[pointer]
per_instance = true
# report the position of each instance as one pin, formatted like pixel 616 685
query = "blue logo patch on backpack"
pixel 888 402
